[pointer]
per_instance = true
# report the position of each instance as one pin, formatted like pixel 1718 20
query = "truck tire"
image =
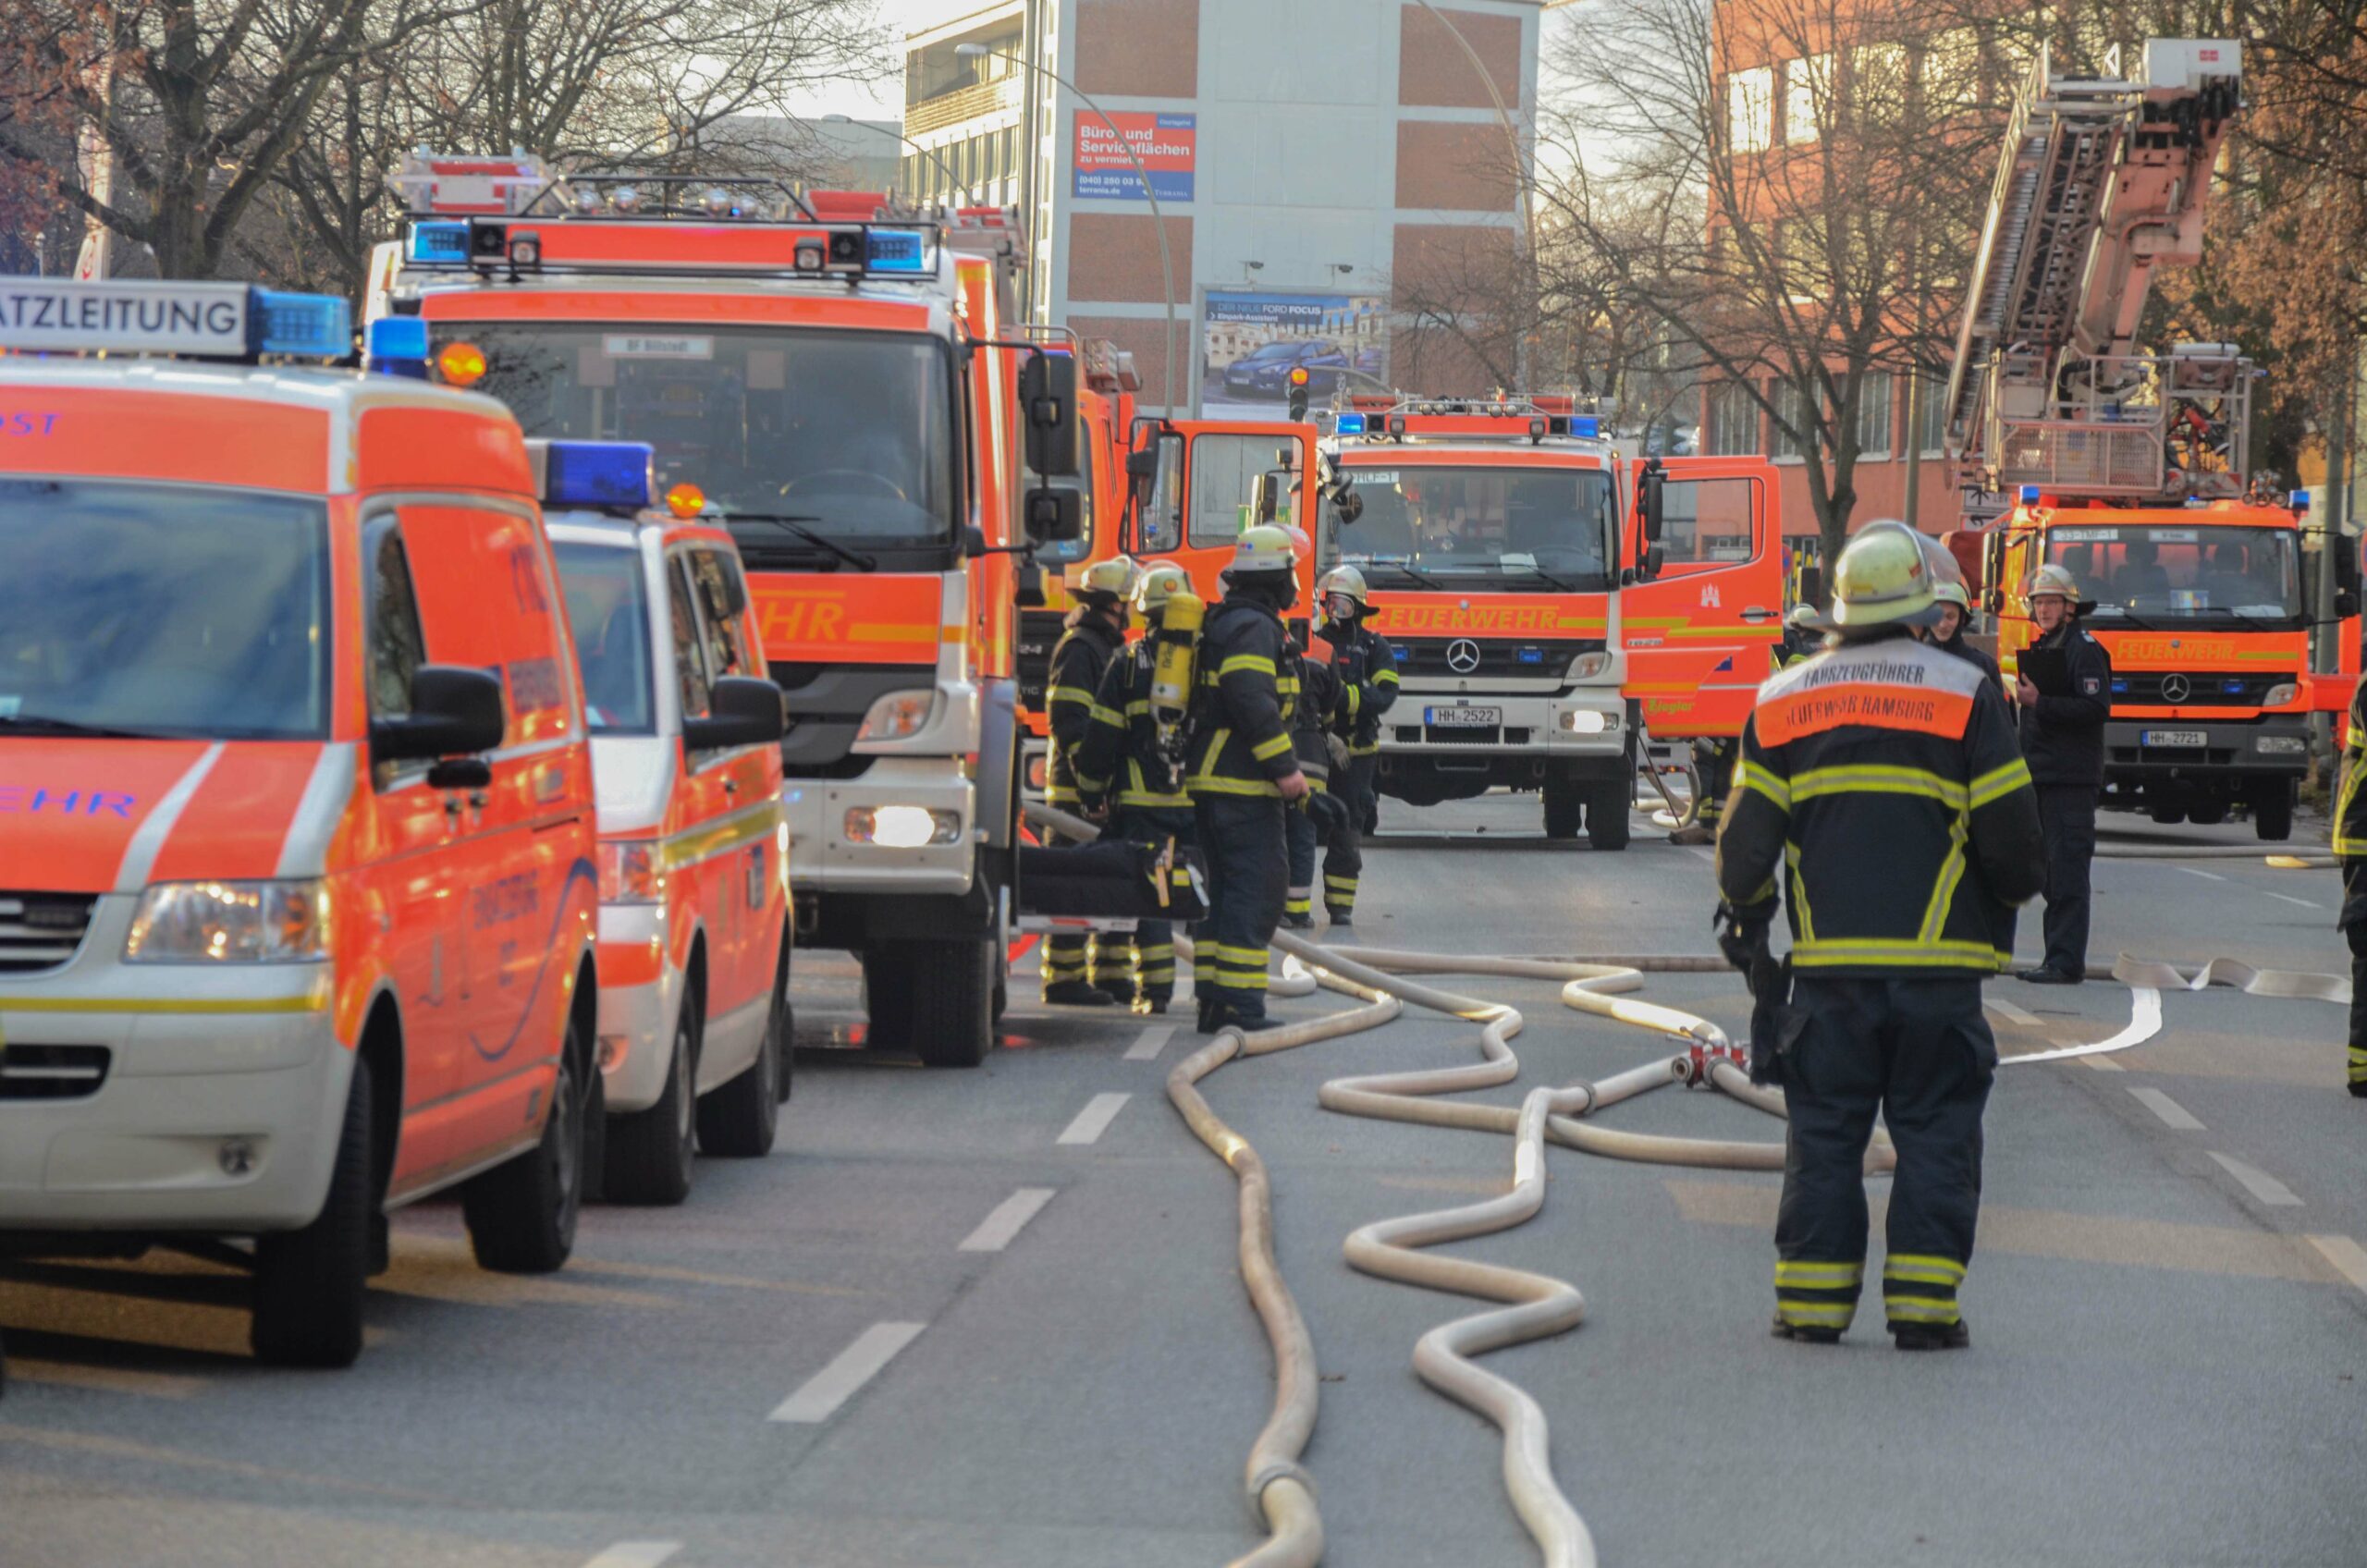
pixel 2167 815
pixel 2273 814
pixel 1564 807
pixel 521 1214
pixel 2209 812
pixel 886 1003
pixel 946 994
pixel 308 1284
pixel 647 1161
pixel 1607 808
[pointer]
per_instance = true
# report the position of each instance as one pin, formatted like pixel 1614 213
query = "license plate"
pixel 1463 718
pixel 2175 738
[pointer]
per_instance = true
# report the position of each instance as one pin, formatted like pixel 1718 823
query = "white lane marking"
pixel 635 1554
pixel 2011 1013
pixel 2258 1183
pixel 2172 1113
pixel 2347 1256
pixel 1009 1217
pixel 2144 1022
pixel 2206 876
pixel 1094 1120
pixel 855 1365
pixel 1154 1040
pixel 2287 897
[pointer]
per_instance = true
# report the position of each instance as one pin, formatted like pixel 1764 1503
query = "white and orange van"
pixel 297 862
pixel 695 934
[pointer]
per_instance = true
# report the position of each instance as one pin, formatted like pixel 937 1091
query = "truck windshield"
pixel 2187 574
pixel 847 433
pixel 1539 530
pixel 608 605
pixel 153 610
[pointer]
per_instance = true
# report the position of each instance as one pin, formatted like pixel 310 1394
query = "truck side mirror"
pixel 742 711
pixel 1055 515
pixel 1047 387
pixel 455 712
pixel 1655 487
pixel 1655 557
pixel 1346 505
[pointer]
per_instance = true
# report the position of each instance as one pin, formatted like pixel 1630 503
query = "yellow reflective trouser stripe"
pixel 1944 887
pixel 1923 1267
pixel 1257 663
pixel 1267 750
pixel 1818 1276
pixel 1749 778
pixel 2358 1065
pixel 1816 1313
pixel 1301 903
pixel 1344 884
pixel 1892 952
pixel 1879 779
pixel 1999 782
pixel 1919 1309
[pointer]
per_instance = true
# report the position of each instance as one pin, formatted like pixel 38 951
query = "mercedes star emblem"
pixel 1462 655
pixel 2176 689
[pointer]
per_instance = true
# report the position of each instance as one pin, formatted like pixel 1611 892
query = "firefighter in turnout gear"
pixel 2063 736
pixel 1955 603
pixel 1076 974
pixel 1319 691
pixel 1243 775
pixel 1880 786
pixel 2350 846
pixel 1129 763
pixel 1367 667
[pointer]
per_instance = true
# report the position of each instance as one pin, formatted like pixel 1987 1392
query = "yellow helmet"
pixel 1263 547
pixel 1953 594
pixel 2053 580
pixel 1160 581
pixel 1883 578
pixel 1115 578
pixel 1344 579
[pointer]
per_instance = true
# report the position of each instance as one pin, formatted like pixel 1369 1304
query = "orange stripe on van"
pixel 1875 703
pixel 199 439
pixel 238 821
pixel 810 618
pixel 442 448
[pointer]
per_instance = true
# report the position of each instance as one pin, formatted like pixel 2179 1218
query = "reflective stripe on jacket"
pixel 1121 744
pixel 1241 742
pixel 1079 659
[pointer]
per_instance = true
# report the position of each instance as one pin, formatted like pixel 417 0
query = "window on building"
pixel 1751 109
pixel 1877 90
pixel 1808 94
pixel 1874 414
pixel 1733 421
pixel 1789 433
pixel 1932 417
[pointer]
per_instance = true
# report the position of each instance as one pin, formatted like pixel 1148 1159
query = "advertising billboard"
pixel 1250 343
pixel 1168 146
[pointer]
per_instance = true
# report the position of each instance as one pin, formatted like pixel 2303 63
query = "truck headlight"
pixel 2281 693
pixel 1586 667
pixel 276 922
pixel 630 872
pixel 899 715
pixel 903 827
pixel 2281 745
pixel 1589 721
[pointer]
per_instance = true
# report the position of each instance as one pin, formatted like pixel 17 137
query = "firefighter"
pixel 2350 846
pixel 1883 773
pixel 1948 592
pixel 1318 696
pixel 1126 750
pixel 1243 775
pixel 1367 667
pixel 2063 736
pixel 1073 974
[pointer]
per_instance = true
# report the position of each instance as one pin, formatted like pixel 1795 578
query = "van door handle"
pixel 1757 612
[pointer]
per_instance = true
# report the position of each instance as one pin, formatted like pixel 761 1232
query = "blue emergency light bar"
pixel 398 346
pixel 309 325
pixel 1350 424
pixel 2300 500
pixel 2030 494
pixel 609 476
pixel 439 242
pixel 223 320
pixel 896 249
pixel 1586 426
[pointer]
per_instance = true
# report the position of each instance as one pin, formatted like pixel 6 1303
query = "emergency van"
pixel 1520 563
pixel 298 889
pixel 838 378
pixel 686 728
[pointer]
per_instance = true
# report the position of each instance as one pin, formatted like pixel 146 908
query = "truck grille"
pixel 1426 656
pixel 2232 689
pixel 52 1072
pixel 42 930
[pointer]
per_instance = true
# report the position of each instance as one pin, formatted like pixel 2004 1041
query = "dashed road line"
pixel 635 1554
pixel 2287 897
pixel 821 1395
pixel 1153 1041
pixel 2172 1113
pixel 2258 1183
pixel 2011 1013
pixel 2347 1256
pixel 2206 876
pixel 1094 1120
pixel 1009 1217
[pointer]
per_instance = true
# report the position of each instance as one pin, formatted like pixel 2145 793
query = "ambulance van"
pixel 695 934
pixel 297 886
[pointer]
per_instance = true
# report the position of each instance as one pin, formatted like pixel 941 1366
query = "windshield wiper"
pixel 801 527
pixel 1404 564
pixel 2122 616
pixel 1538 571
pixel 43 724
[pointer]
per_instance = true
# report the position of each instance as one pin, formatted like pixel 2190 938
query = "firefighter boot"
pixel 1931 1336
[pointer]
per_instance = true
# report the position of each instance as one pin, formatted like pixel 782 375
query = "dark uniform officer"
pixel 1123 748
pixel 1243 772
pixel 2063 736
pixel 1367 667
pixel 1318 696
pixel 2351 845
pixel 1096 629
pixel 1883 773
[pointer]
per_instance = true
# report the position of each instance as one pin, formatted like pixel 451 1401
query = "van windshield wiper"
pixel 1536 570
pixel 1404 564
pixel 42 724
pixel 801 527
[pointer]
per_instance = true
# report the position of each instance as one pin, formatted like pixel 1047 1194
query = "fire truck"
pixel 2127 468
pixel 840 384
pixel 1558 602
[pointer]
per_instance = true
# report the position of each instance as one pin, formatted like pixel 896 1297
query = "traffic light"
pixel 1298 393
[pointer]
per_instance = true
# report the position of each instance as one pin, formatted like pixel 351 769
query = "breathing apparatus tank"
pixel 1174 647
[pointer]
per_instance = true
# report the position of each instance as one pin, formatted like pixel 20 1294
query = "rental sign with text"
pixel 1166 146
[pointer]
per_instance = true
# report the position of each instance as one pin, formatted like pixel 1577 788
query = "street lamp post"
pixel 1166 265
pixel 952 182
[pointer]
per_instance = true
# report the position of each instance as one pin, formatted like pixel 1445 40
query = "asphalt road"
pixel 992 1317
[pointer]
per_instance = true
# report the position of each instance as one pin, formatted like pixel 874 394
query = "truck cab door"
pixel 1192 509
pixel 1699 636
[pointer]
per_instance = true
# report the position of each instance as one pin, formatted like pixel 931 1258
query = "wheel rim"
pixel 567 1123
pixel 686 1096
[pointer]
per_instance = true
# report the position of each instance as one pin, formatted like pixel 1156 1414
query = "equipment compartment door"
pixel 1699 636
